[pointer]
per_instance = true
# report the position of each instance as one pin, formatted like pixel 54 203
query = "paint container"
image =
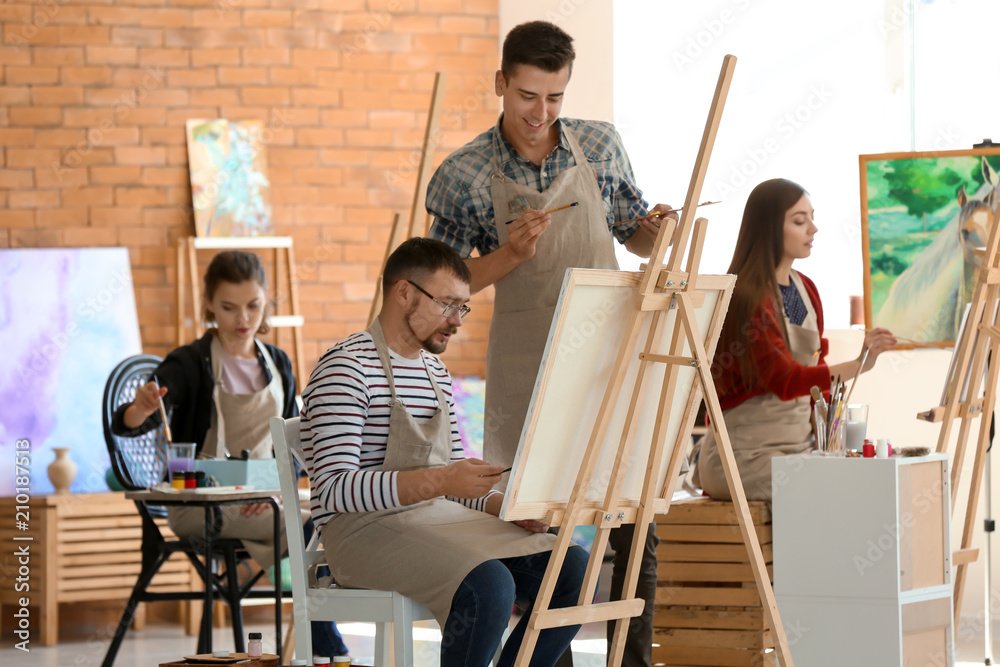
pixel 882 449
pixel 869 451
pixel 255 645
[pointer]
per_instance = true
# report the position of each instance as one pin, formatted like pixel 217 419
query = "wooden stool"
pixel 708 611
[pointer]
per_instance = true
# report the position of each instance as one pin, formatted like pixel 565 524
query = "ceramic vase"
pixel 62 471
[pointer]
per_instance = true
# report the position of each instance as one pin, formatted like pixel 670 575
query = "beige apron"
pixel 424 550
pixel 240 421
pixel 526 297
pixel 764 426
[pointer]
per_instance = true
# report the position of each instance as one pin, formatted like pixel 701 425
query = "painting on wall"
pixel 67 317
pixel 229 186
pixel 922 217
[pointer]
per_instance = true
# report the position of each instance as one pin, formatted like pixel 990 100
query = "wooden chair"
pixel 312 603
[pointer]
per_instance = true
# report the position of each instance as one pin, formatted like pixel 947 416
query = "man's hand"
pixel 651 224
pixel 470 478
pixel 532 526
pixel 525 232
pixel 642 241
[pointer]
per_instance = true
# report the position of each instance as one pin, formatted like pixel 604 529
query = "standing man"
pixel 491 195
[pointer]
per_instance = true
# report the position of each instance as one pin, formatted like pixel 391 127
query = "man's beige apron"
pixel 764 426
pixel 240 421
pixel 426 549
pixel 526 297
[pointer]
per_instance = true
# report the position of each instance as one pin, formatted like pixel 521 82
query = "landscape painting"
pixel 922 217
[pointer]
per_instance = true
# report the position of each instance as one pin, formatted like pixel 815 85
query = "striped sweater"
pixel 345 425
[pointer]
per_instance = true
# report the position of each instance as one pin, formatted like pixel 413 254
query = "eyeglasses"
pixel 450 309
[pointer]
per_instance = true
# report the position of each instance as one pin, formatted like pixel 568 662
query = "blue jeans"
pixel 326 640
pixel 480 610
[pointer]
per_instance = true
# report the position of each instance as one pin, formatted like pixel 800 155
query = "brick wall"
pixel 94 98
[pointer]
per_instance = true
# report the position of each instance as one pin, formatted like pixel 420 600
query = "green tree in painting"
pixel 923 186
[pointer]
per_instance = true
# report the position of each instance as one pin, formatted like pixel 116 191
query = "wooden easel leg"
pixel 757 563
pixel 181 249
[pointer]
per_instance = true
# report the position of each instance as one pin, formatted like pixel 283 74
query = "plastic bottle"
pixel 255 647
pixel 321 662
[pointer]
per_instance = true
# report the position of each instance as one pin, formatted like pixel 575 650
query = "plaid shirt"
pixel 460 200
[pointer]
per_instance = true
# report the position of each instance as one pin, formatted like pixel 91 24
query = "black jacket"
pixel 187 375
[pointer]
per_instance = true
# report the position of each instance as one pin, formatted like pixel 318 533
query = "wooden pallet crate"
pixel 708 610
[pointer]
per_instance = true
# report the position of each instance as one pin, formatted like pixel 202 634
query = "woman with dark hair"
pixel 772 349
pixel 220 391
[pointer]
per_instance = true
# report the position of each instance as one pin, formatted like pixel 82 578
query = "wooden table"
pixel 83 547
pixel 208 501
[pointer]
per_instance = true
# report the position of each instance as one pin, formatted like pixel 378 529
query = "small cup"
pixel 856 424
pixel 180 458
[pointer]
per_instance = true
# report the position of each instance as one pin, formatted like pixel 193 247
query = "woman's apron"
pixel 426 549
pixel 526 297
pixel 240 421
pixel 764 426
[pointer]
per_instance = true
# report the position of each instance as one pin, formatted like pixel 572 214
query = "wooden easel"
pixel 284 270
pixel 980 339
pixel 663 286
pixel 419 222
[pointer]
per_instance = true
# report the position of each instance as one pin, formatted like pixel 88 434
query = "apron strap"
pixel 375 329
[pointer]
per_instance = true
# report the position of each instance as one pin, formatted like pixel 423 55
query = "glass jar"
pixel 255 647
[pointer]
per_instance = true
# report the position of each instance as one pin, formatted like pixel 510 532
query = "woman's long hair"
pixel 759 250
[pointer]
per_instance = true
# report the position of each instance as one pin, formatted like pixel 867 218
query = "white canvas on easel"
pixel 587 330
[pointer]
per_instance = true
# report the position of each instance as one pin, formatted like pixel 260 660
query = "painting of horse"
pixel 922 217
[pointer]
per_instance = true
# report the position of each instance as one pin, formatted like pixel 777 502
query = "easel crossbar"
pixel 589 613
pixel 668 359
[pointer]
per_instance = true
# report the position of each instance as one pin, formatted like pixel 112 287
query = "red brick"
pixel 315 97
pixel 139 237
pixel 17 36
pixel 319 137
pixel 265 56
pixel 139 196
pixel 164 176
pixel 32 75
pixel 59 137
pixel 205 38
pixel 177 155
pixel 131 36
pixel 105 216
pixel 148 116
pixel 214 96
pixel 166 57
pixel 88 196
pixel 164 217
pixel 34 199
pixel 86 75
pixel 61 217
pixel 294 157
pixel 105 97
pixel 57 56
pixel 84 34
pixel 268 18
pixel 292 76
pixel 116 175
pixel 90 237
pixel 112 55
pixel 57 95
pixel 17 219
pixel 168 97
pixel 206 57
pixel 344 118
pixel 266 95
pixel 220 17
pixel 165 18
pixel 141 155
pixel 20 158
pixel 299 38
pixel 315 58
pixel 115 15
pixel 15 55
pixel 237 76
pixel 465 25
pixel 18 137
pixel 163 136
pixel 61 176
pixel 178 117
pixel 37 238
pixel 200 78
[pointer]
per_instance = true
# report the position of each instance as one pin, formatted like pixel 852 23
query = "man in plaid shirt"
pixel 491 195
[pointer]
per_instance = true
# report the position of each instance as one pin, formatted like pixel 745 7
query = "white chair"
pixel 310 603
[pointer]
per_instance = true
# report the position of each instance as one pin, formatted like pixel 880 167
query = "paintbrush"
pixel 552 210
pixel 163 414
pixel 657 214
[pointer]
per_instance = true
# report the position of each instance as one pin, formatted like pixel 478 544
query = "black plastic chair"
pixel 139 463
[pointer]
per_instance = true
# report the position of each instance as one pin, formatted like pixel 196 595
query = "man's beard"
pixel 429 344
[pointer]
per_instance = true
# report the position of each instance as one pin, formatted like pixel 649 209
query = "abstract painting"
pixel 922 217
pixel 229 186
pixel 67 317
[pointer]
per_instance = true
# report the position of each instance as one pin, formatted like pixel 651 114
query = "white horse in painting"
pixel 927 301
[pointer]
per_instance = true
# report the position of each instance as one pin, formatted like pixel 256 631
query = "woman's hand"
pixel 877 341
pixel 253 508
pixel 532 526
pixel 147 401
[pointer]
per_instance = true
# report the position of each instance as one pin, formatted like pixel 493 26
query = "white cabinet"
pixel 862 560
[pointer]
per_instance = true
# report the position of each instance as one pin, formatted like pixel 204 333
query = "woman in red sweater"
pixel 772 349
